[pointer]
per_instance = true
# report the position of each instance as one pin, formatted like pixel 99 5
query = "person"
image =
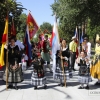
pixel 20 45
pixel 62 57
pixel 45 54
pixel 24 61
pixel 14 68
pixel 86 46
pixel 72 48
pixel 84 70
pixel 95 64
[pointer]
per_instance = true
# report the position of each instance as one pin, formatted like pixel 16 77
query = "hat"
pixel 85 38
pixel 74 37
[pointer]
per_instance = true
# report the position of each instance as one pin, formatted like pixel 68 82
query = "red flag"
pixel 32 25
pixel 13 30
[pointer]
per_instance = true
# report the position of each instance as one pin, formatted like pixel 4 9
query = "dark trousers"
pixel 73 57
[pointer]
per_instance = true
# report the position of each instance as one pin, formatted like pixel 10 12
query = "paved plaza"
pixel 53 92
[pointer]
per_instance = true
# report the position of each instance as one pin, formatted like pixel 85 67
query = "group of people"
pixel 66 58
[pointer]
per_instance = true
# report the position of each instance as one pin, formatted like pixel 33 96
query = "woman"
pixel 14 69
pixel 63 63
pixel 84 74
pixel 95 66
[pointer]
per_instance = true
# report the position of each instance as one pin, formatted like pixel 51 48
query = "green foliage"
pixel 72 13
pixel 14 9
pixel 44 28
pixel 22 28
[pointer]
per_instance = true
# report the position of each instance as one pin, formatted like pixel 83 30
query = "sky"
pixel 40 9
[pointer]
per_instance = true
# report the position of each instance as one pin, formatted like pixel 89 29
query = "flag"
pixel 32 25
pixel 4 39
pixel 55 45
pixel 81 36
pixel 13 30
pixel 28 44
pixel 76 35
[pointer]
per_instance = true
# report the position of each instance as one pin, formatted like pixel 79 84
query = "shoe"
pixel 16 88
pixel 45 86
pixel 97 83
pixel 61 84
pixel 74 70
pixel 10 86
pixel 51 72
pixel 80 87
pixel 35 87
pixel 87 87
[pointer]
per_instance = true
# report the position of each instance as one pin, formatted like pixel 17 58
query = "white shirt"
pixel 20 45
pixel 89 48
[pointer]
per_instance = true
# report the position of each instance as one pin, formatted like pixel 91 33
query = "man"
pixel 73 48
pixel 46 53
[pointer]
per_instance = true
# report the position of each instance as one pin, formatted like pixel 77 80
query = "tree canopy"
pixel 14 10
pixel 71 13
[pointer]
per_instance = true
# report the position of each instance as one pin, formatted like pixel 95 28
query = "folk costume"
pixel 59 70
pixel 46 54
pixel 86 46
pixel 95 65
pixel 15 74
pixel 84 73
pixel 38 77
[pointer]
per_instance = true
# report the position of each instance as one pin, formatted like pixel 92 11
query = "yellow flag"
pixel 4 39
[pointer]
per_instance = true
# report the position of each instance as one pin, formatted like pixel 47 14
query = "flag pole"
pixel 7 64
pixel 62 63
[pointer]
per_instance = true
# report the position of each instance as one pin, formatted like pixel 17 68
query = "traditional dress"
pixel 38 77
pixel 86 47
pixel 59 70
pixel 46 54
pixel 15 74
pixel 84 72
pixel 95 66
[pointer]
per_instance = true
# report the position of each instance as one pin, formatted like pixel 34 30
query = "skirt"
pixel 35 81
pixel 95 67
pixel 45 56
pixel 14 76
pixel 84 79
pixel 60 75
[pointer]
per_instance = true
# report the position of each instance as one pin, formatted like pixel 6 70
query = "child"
pixel 84 73
pixel 24 61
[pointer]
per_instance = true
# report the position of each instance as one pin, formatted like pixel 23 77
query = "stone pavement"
pixel 53 92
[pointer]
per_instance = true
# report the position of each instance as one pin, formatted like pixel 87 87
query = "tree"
pixel 14 9
pixel 22 28
pixel 44 28
pixel 70 14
